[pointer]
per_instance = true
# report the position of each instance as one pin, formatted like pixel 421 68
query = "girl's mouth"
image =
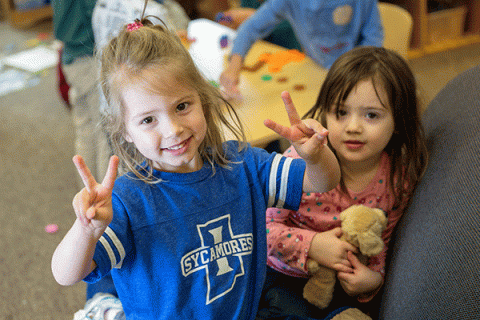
pixel 354 144
pixel 178 148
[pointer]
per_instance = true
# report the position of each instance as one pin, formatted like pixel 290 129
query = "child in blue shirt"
pixel 183 232
pixel 282 35
pixel 324 28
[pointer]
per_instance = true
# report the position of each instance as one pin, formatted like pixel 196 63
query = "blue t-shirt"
pixel 324 28
pixel 194 246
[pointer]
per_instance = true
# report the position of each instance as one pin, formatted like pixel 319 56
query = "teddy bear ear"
pixel 382 217
pixel 370 244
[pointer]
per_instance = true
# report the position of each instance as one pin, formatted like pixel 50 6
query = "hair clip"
pixel 134 26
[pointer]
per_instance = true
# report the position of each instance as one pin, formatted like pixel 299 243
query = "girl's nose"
pixel 354 125
pixel 171 128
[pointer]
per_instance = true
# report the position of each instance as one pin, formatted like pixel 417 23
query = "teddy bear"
pixel 361 226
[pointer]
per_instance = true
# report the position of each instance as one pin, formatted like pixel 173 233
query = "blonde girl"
pixel 183 231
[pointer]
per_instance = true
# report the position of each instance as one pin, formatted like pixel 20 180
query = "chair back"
pixel 397 25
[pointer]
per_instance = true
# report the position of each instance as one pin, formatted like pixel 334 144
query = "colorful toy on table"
pixel 224 41
pixel 278 59
pixel 222 17
pixel 186 41
pixel 254 67
pixel 266 77
pixel 299 87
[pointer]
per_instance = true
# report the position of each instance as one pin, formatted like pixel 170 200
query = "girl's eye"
pixel 341 113
pixel 372 115
pixel 147 120
pixel 182 106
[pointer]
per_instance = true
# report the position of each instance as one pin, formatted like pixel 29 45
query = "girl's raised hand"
pixel 307 136
pixel 93 204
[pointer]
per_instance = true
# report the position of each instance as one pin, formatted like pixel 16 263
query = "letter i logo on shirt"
pixel 220 254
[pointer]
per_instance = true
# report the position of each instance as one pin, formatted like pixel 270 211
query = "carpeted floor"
pixel 37 181
pixel 37 185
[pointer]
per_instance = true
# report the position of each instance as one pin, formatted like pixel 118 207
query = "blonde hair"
pixel 126 59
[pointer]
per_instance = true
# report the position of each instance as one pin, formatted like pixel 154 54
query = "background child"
pixel 368 103
pixel 183 233
pixel 72 23
pixel 325 29
pixel 282 35
pixel 110 15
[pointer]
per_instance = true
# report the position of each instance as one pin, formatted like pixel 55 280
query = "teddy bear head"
pixel 363 226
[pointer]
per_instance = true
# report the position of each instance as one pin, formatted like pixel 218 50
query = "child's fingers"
pixel 81 204
pixel 91 213
pixel 279 129
pixel 344 275
pixel 353 260
pixel 337 232
pixel 111 175
pixel 351 248
pixel 316 127
pixel 293 116
pixel 317 134
pixel 343 268
pixel 272 125
pixel 84 172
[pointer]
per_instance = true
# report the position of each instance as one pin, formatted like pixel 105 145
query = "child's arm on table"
pixel 229 78
pixel 73 259
pixel 259 24
pixel 308 137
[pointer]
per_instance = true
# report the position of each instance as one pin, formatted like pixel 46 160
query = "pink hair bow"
pixel 134 26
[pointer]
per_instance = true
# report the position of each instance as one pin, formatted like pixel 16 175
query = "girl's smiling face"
pixel 362 128
pixel 167 126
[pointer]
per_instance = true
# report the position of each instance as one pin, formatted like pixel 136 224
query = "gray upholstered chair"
pixel 434 271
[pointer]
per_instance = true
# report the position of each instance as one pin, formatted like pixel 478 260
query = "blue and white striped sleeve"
pixel 285 182
pixel 110 252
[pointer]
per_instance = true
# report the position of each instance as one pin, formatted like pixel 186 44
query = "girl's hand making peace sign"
pixel 307 136
pixel 73 259
pixel 93 204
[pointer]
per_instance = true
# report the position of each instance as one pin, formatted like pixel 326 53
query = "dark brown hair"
pixel 388 70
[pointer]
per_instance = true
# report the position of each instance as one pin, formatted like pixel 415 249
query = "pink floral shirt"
pixel 290 233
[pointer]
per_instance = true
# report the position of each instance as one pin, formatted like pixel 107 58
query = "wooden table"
pixel 261 98
pixel 25 18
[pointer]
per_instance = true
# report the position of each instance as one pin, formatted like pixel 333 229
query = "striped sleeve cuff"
pixel 285 182
pixel 109 254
